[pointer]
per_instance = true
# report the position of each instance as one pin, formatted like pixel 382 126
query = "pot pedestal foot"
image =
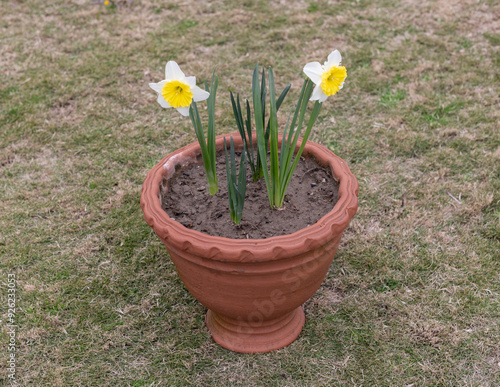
pixel 255 336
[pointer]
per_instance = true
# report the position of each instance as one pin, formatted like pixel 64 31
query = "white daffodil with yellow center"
pixel 328 78
pixel 177 90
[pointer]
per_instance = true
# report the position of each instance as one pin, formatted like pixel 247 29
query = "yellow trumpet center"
pixel 177 94
pixel 332 79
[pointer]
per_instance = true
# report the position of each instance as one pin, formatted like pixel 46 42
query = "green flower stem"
pixel 207 146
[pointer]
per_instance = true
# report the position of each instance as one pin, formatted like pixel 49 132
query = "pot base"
pixel 256 336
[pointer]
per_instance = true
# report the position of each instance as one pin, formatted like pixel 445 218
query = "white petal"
pixel 191 81
pixel 314 70
pixel 157 86
pixel 323 97
pixel 199 94
pixel 183 110
pixel 317 94
pixel 173 72
pixel 334 59
pixel 162 101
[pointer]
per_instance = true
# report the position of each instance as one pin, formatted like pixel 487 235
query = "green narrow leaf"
pixel 247 143
pixel 198 129
pixel 207 160
pixel 284 149
pixel 260 131
pixel 236 188
pixel 249 132
pixel 282 96
pixel 242 181
pixel 312 120
pixel 283 141
pixel 249 124
pixel 263 92
pixel 242 186
pixel 233 161
pixel 255 163
pixel 278 105
pixel 230 190
pixel 294 132
pixel 273 148
pixel 237 116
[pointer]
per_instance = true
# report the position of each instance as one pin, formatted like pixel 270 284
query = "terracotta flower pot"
pixel 253 288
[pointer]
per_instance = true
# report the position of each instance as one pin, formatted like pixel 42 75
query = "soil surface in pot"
pixel 312 193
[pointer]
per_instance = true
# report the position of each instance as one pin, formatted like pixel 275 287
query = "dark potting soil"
pixel 311 194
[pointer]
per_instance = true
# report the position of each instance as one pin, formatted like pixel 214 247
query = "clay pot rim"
pixel 248 250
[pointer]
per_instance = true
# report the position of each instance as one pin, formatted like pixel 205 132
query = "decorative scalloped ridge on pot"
pixel 253 288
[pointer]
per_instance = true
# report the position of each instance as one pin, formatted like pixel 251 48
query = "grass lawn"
pixel 413 295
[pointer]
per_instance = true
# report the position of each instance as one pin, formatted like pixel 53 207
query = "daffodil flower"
pixel 177 90
pixel 328 78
